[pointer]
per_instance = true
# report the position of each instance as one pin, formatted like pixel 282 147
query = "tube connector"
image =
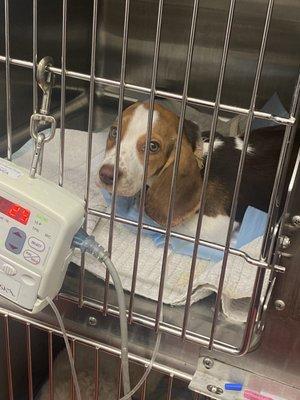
pixel 79 239
pixel 88 244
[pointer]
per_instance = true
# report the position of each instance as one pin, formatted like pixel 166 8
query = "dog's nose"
pixel 106 174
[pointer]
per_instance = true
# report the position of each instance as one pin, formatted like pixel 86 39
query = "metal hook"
pixel 38 151
pixel 45 79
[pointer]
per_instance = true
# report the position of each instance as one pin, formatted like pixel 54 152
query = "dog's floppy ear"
pixel 192 132
pixel 187 192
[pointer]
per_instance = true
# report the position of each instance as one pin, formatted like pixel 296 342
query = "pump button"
pixel 36 244
pixel 31 257
pixel 8 269
pixel 28 280
pixel 15 240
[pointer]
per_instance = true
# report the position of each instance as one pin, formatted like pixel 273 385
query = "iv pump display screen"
pixel 14 211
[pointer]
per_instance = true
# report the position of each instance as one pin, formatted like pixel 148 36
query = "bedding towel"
pixel 239 276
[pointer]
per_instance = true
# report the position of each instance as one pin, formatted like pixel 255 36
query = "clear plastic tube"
pixel 100 254
pixel 88 244
pixel 147 371
pixel 71 359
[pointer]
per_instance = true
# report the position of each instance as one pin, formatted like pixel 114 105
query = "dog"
pixel 262 156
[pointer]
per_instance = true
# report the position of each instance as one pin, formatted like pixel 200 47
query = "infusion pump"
pixel 38 220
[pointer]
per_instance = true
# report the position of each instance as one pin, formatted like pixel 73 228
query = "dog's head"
pixel 161 162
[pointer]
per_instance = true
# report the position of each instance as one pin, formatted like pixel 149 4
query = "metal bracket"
pixel 228 382
pixel 45 80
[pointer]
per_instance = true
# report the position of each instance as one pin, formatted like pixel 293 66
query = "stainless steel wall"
pixel 49 42
pixel 282 56
pixel 279 72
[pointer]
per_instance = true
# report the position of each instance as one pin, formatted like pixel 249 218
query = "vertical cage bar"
pixel 208 162
pixel 239 176
pixel 196 396
pixel 81 279
pixel 29 361
pixel 118 144
pixel 177 159
pixel 294 111
pixel 7 80
pixel 144 389
pixel 120 379
pixel 274 200
pixel 253 311
pixel 170 386
pixel 50 366
pixel 63 92
pixel 146 157
pixel 90 140
pixel 8 358
pixel 290 187
pixel 96 396
pixel 71 377
pixel 283 161
pixel 34 56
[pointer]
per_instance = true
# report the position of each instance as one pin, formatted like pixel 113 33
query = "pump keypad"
pixel 15 240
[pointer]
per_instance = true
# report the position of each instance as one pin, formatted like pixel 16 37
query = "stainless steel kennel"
pixel 222 57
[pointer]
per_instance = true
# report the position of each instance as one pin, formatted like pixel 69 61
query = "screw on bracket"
pixel 93 321
pixel 208 362
pixel 285 242
pixel 279 305
pixel 296 221
pixel 214 389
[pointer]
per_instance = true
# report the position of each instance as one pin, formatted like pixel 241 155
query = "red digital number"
pixel 13 211
pixel 24 216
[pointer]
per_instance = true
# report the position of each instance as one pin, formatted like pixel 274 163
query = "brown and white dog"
pixel 256 186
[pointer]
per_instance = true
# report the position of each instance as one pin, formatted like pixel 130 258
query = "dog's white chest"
pixel 214 229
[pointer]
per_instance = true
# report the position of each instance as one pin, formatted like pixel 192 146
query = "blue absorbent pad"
pixel 252 227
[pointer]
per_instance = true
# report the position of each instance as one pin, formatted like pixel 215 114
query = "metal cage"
pixel 111 38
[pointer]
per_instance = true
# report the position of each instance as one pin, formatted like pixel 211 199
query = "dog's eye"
pixel 113 133
pixel 154 146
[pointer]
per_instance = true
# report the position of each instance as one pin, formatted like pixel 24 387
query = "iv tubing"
pixel 88 244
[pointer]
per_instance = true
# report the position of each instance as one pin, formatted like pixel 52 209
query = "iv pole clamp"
pixel 45 80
